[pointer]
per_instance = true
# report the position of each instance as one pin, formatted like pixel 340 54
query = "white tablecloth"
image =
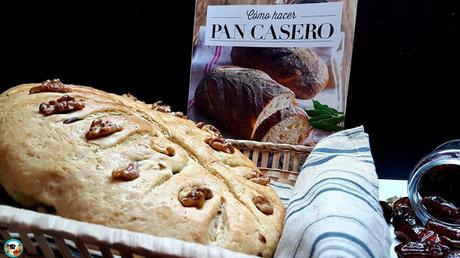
pixel 387 189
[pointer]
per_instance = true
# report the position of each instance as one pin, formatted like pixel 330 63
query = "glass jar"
pixel 437 174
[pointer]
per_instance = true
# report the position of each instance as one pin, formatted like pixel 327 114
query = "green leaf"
pixel 324 117
pixel 325 126
pixel 335 119
pixel 318 106
pixel 321 117
pixel 314 112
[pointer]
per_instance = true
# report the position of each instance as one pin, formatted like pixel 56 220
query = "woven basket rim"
pixel 269 146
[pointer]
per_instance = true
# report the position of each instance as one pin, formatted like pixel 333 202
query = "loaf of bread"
pixel 288 125
pixel 239 99
pixel 299 69
pixel 113 160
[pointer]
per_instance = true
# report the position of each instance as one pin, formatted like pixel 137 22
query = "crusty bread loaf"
pixel 288 125
pixel 239 99
pixel 113 160
pixel 299 69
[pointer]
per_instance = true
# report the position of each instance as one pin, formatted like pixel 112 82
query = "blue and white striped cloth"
pixel 333 210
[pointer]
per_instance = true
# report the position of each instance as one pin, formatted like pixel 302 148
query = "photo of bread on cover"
pixel 300 70
pixel 270 93
pixel 113 160
pixel 251 105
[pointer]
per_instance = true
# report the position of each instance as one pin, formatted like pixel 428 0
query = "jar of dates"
pixel 434 185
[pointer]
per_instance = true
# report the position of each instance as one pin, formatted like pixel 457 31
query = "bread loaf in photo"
pixel 288 125
pixel 299 69
pixel 239 99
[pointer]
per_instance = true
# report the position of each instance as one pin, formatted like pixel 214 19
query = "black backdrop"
pixel 403 87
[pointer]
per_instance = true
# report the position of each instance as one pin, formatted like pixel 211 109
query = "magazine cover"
pixel 272 70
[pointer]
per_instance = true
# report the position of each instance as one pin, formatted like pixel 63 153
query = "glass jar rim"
pixel 415 177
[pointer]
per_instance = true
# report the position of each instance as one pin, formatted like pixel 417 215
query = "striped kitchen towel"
pixel 333 210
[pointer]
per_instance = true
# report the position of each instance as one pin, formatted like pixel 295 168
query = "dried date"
pixel 126 174
pixel 100 128
pixel 64 104
pixel 403 214
pixel 441 208
pixel 449 232
pixel 421 249
pixel 434 240
pixel 408 233
pixel 54 85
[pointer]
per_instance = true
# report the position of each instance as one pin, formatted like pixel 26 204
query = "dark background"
pixel 404 76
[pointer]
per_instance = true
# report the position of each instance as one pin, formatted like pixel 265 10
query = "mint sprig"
pixel 325 118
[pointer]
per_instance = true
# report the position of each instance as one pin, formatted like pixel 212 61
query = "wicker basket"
pixel 281 162
pixel 46 235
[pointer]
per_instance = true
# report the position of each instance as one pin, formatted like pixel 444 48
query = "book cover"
pixel 272 70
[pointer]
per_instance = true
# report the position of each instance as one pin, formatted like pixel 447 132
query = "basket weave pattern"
pixel 281 162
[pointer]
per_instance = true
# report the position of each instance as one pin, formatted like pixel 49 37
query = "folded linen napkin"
pixel 333 210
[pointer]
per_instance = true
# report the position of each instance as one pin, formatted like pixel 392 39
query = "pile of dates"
pixel 431 240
